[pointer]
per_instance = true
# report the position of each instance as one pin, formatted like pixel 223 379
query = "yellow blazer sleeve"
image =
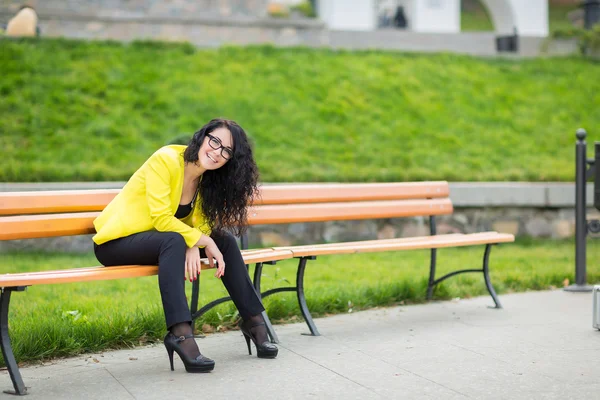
pixel 158 195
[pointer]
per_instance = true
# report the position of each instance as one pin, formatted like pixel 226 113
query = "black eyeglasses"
pixel 216 144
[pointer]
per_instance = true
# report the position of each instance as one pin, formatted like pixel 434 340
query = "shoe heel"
pixel 248 343
pixel 170 352
pixel 198 364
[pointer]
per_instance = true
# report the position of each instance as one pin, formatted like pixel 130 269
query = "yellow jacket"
pixel 149 201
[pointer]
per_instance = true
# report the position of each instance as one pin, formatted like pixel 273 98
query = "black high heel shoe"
pixel 199 364
pixel 263 350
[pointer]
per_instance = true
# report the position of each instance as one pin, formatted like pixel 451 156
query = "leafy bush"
pixel 305 8
pixel 587 39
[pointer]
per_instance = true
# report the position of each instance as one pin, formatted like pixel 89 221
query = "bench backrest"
pixel 25 215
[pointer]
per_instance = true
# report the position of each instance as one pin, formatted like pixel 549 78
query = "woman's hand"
pixel 213 252
pixel 192 263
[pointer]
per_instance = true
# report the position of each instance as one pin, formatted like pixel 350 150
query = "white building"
pixel 527 17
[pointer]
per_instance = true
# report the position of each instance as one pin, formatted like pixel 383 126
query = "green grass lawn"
pixel 83 111
pixel 64 320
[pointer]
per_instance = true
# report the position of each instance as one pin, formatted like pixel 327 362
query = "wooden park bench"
pixel 27 215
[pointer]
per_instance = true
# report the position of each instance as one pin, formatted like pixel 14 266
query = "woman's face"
pixel 216 150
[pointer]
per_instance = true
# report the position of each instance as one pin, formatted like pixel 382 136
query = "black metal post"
pixel 591 13
pixel 431 283
pixel 580 215
pixel 596 172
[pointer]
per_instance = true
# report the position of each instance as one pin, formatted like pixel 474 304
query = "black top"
pixel 185 209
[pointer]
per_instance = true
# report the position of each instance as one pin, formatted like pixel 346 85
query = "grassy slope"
pixel 75 110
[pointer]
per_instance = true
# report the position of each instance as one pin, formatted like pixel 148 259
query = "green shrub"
pixel 305 8
pixel 587 39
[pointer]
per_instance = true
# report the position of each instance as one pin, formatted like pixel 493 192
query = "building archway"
pixel 502 15
pixel 527 18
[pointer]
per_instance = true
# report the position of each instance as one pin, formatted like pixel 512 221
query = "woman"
pixel 178 208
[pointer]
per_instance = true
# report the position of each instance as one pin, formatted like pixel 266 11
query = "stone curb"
pixel 463 194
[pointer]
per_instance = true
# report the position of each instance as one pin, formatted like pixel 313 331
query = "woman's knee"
pixel 173 240
pixel 225 241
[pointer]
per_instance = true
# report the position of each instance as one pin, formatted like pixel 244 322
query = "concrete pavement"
pixel 540 346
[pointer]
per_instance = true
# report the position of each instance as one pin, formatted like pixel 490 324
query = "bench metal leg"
pixel 208 306
pixel 431 283
pixel 484 270
pixel 257 276
pixel 486 276
pixel 194 302
pixel 299 289
pixel 198 313
pixel 7 352
pixel 196 294
pixel 301 299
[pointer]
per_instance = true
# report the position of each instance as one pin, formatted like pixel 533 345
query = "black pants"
pixel 167 250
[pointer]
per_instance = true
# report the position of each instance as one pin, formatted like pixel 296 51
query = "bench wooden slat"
pixel 118 272
pixel 274 255
pixel 69 201
pixel 350 244
pixel 55 201
pixel 277 214
pixel 420 242
pixel 77 275
pixel 50 225
pixel 249 256
pixel 449 242
pixel 347 192
pixel 262 255
pixel 349 247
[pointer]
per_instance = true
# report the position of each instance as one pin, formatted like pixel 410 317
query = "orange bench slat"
pixel 436 244
pixel 68 201
pixel 77 275
pixel 118 272
pixel 263 255
pixel 46 225
pixel 420 242
pixel 51 225
pixel 347 192
pixel 278 214
pixel 55 201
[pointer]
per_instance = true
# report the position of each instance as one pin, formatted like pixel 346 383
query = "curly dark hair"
pixel 226 192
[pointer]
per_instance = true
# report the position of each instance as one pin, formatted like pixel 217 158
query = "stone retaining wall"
pixel 522 222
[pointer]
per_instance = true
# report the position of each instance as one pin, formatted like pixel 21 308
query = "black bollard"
pixel 580 215
pixel 591 13
pixel 597 176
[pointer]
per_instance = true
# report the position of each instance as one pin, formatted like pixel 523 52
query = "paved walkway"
pixel 540 346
